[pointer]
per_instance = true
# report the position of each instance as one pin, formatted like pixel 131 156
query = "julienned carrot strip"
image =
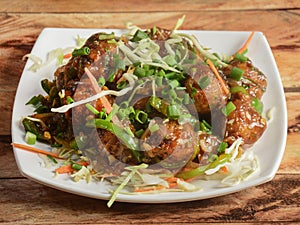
pixel 64 169
pixel 68 168
pixel 36 150
pixel 68 55
pixel 146 189
pixel 245 46
pixel 215 71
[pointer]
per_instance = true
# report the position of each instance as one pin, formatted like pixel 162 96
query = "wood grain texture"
pixel 23 201
pixel 258 204
pixel 94 6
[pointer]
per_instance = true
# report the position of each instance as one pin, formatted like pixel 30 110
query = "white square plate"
pixel 269 148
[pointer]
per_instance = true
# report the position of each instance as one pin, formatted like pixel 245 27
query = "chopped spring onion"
pixel 106 36
pixel 229 108
pixel 212 158
pixel 101 81
pixel 92 109
pixel 30 138
pixel 236 89
pixel 240 57
pixel 139 35
pixel 139 133
pixel 204 82
pixel 258 105
pixel 81 51
pixel 173 111
pixel 236 73
pixel 170 60
pixel 141 116
pixel 121 85
pixel 154 127
pixel 222 147
pixel 69 100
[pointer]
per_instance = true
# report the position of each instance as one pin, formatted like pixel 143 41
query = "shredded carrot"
pixel 146 189
pixel 215 71
pixel 224 169
pixel 66 56
pixel 68 168
pixel 245 46
pixel 36 150
pixel 171 179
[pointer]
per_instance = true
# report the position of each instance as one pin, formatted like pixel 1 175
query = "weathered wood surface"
pixel 24 201
pixel 94 6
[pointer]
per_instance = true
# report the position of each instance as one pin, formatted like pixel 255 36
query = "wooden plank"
pixel 282 30
pixel 78 6
pixel 22 198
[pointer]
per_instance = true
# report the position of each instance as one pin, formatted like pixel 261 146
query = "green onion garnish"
pixel 81 51
pixel 30 138
pixel 101 81
pixel 139 35
pixel 212 158
pixel 106 36
pixel 173 111
pixel 240 57
pixel 237 89
pixel 139 72
pixel 141 116
pixel 170 60
pixel 92 109
pixel 204 82
pixel 229 108
pixel 258 105
pixel 186 98
pixel 236 73
pixel 154 128
pixel 121 85
pixel 69 100
pixel 139 133
pixel 222 147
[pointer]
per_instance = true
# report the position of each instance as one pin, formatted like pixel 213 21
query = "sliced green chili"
pixel 201 170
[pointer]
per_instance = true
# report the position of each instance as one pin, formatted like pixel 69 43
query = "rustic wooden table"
pixel 24 201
